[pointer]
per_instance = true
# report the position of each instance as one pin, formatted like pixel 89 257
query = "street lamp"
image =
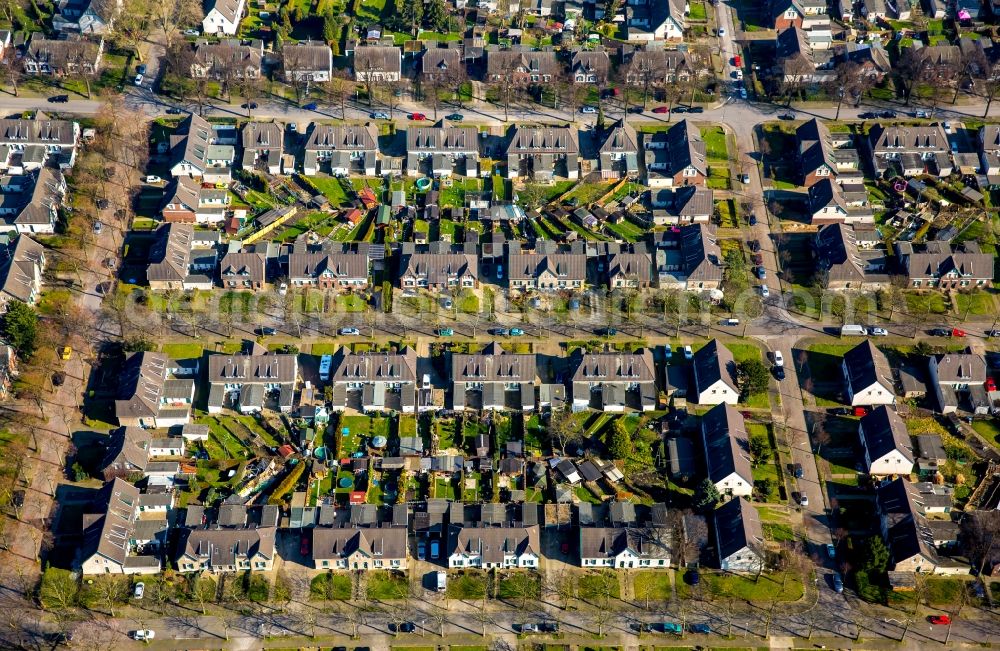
pixel 840 100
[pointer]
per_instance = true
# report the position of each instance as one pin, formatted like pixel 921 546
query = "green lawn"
pixel 453 196
pixel 517 585
pixel 182 351
pixel 925 302
pixel 330 586
pixel 469 584
pixel 718 178
pixel 727 214
pixel 351 303
pixel 976 303
pixel 626 230
pixel 715 144
pixel 767 588
pixel 744 352
pixel 332 189
pixel 599 585
pixel 988 429
pixel 943 591
pixel 652 585
pixel 387 585
pixel 587 193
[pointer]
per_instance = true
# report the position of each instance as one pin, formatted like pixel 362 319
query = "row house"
pixel 792 13
pixel 941 266
pixel 154 391
pixel 688 204
pixel 359 548
pixel 727 450
pixel 442 65
pixel 913 150
pixel 186 201
pixel 307 61
pixel 542 153
pixel 343 271
pixel 375 381
pixel 111 536
pixel 263 146
pixel 797 61
pixel 54 140
pixel 240 270
pixel 493 379
pixel 439 271
pixel 182 258
pixel 341 149
pixel 630 270
pixel 676 157
pixel 612 382
pixel 830 203
pixel 196 152
pixel 440 151
pixel 590 67
pixel 546 271
pixel 245 381
pixel 522 67
pixel 65 57
pixel 227 60
pixel 30 202
pixel 657 67
pixel 21 273
pixel 377 64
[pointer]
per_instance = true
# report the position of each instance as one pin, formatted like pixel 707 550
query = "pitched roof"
pixel 609 542
pixel 191 141
pixel 306 56
pixel 140 385
pixel 621 138
pixel 108 526
pixel 227 55
pixel 439 267
pixel 685 148
pixel 837 251
pixel 961 368
pixel 701 253
pixel 373 542
pixel 543 140
pixel 228 8
pixel 127 449
pixel 441 60
pixel 884 431
pixel 22 268
pixel 738 527
pixel 442 139
pixel 493 543
pixel 815 146
pixel 251 266
pixel 591 61
pixel 342 137
pixel 616 367
pixel 374 366
pixel 493 364
pixel 893 139
pixel 692 201
pixel 170 254
pixel 529 266
pixel 62 54
pixel 17 131
pixel 727 445
pixel 322 264
pixel 500 62
pixel 713 362
pixel 262 135
pixel 376 58
pixel 826 193
pixel 226 547
pixel 272 368
pixel 907 533
pixel 867 365
pixel 637 266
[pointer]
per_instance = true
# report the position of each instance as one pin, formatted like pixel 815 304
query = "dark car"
pixel 868 115
pixel 404 627
pixel 677 109
pixel 779 373
pixel 251 105
pixel 59 99
pixel 311 106
pixel 173 110
pixel 266 331
pixel 607 332
pixel 993 333
pixel 703 629
pixel 692 577
pixel 753 220
pixel 754 246
pixel 940 332
pixel 499 332
pixel 140 69
pixel 58 379
pixel 786 116
pixel 549 627
pixel 17 499
pixel 696 109
pixel 797 470
pixel 635 109
pixel 887 114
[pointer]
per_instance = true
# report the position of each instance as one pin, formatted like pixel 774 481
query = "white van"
pixel 325 362
pixel 853 331
pixel 442 581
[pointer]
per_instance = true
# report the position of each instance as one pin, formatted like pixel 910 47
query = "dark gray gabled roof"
pixel 714 362
pixel 727 446
pixel 737 527
pixel 883 431
pixel 867 365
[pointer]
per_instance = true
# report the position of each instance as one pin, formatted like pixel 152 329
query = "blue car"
pixel 703 629
pixel 379 115
pixel 311 106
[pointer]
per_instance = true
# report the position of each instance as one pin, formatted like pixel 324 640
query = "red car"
pixel 661 109
pixel 955 332
pixel 860 411
pixel 738 61
pixel 991 384
pixel 939 620
pixel 417 117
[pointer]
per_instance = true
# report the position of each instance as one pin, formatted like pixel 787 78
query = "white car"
pixel 804 500
pixel 688 353
pixel 191 32
pixel 349 331
pixel 588 109
pixel 142 634
pixel 282 289
pixel 764 291
pixel 140 589
pixel 153 179
pixel 779 360
pixel 138 80
pixel 878 332
pixel 722 31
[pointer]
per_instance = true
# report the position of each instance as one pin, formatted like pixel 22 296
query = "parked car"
pixel 921 114
pixel 677 109
pixel 142 634
pixel 761 273
pixel 764 291
pixel 753 220
pixel 499 332
pixel 860 411
pixel 722 31
pixel 404 627
pixel 435 549
pixel 588 109
pixel 140 589
pixel 743 93
pixel 379 115
pixel 779 372
pixel 173 110
pixel 529 628
pixel 671 627
pixel 887 114
pixel 138 80
pixel 804 499
pixel 348 332
pixel 663 109
pixel 956 332
pixel 797 470
pixel 59 99
pixel 635 109
pixel 516 332
pixel 141 69
pixel 98 227
pixel 549 627
pixel 421 550
pixel 939 332
pixel 191 32
pixel 454 117
pixel 993 333
pixel 779 359
pixel 754 246
pixel 153 179
pixel 878 332
pixel 249 105
pixel 688 353
pixel 311 106
pixel 940 620
pixel 701 629
pixel 744 178
pixel 868 115
pixel 607 332
pixel 282 289
pixel 264 330
pixel 447 303
pixel 417 117
pixel 831 551
pixel 838 583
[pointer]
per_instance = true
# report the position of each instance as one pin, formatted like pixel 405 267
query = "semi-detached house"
pixel 110 541
pixel 676 157
pixel 914 150
pixel 886 443
pixel 546 271
pixel 359 548
pixel 341 149
pixel 243 381
pixel 867 376
pixel 727 450
pixel 375 381
pixel 493 379
pixel 441 151
pixel 439 271
pixel 493 547
pixel 614 382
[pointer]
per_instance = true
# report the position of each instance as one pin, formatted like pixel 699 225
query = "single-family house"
pixel 727 450
pixel 546 271
pixel 714 375
pixel 649 20
pixel 223 17
pixel 76 56
pixel 244 381
pixel 739 536
pixel 377 63
pixel 493 547
pixel 913 150
pixel 110 544
pixel 439 271
pixel 886 443
pixel 867 376
pixel 263 146
pixel 954 376
pixel 182 259
pixel 307 61
pixel 227 59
